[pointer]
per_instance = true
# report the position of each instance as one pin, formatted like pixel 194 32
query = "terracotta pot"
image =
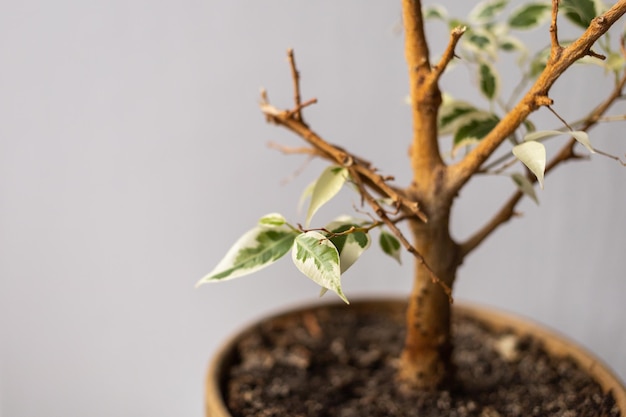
pixel 554 343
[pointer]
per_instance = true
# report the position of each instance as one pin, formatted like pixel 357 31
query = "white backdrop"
pixel 132 153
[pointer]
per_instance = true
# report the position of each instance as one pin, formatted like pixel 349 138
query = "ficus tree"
pixel 498 138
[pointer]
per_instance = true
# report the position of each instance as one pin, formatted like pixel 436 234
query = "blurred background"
pixel 133 154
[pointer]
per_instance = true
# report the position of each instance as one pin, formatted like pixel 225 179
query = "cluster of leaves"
pixel 488 34
pixel 322 254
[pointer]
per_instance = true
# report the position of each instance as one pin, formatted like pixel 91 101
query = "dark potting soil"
pixel 337 361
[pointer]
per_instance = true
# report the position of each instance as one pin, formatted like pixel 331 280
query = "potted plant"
pixel 500 138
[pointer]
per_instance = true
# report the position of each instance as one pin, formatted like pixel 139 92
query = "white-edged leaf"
pixel 525 186
pixel 317 258
pixel 480 41
pixel 272 220
pixel 473 131
pixel 255 250
pixel 488 80
pixel 390 245
pixel 530 15
pixel 533 155
pixel 486 10
pixel 581 136
pixel 509 43
pixel 350 245
pixel 326 187
pixel 456 113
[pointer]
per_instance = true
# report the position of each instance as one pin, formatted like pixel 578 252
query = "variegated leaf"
pixel 317 258
pixel 530 15
pixel 255 250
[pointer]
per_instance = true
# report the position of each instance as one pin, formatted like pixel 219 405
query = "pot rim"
pixel 554 342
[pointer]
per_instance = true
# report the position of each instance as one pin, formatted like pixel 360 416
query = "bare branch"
pixel 288 150
pixel 361 167
pixel 295 76
pixel 555 48
pixel 613 157
pixel 455 36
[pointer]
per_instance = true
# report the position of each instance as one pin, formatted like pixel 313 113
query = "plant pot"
pixel 553 343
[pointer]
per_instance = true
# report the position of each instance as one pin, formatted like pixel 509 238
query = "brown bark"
pixel 426 356
pixel 425 360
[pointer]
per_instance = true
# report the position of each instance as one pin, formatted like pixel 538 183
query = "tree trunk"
pixel 425 360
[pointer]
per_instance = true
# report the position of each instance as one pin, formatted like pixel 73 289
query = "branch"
pixel 555 47
pixel 507 212
pixel 295 76
pixel 448 54
pixel 416 49
pixel 341 157
pixel 292 120
pixel 561 59
pixel 391 224
pixel 425 98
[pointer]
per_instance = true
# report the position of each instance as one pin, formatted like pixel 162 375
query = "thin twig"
pixel 448 54
pixel 555 49
pixel 295 76
pixel 382 215
pixel 562 120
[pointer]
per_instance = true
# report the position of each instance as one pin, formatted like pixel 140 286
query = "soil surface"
pixel 337 361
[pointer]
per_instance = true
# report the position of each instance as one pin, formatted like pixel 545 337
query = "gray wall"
pixel 132 153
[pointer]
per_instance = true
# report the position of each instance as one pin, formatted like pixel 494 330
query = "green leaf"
pixel 272 220
pixel 481 41
pixel 579 12
pixel 255 250
pixel 435 11
pixel 487 10
pixel 529 15
pixel 533 155
pixel 474 130
pixel 317 258
pixel 580 136
pixel 326 187
pixel 512 44
pixel 488 80
pixel 525 186
pixel 390 245
pixel 350 245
